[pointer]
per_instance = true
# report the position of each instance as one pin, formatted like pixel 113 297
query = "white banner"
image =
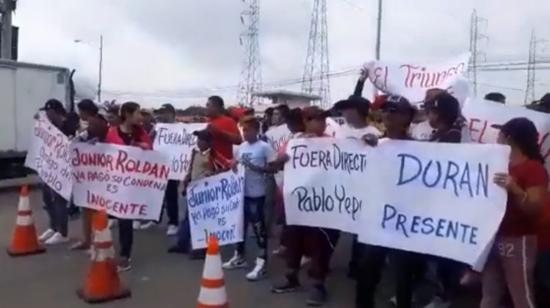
pixel 125 181
pixel 177 141
pixel 325 182
pixel 411 80
pixel 481 114
pixel 49 156
pixel 433 198
pixel 277 136
pixel 215 207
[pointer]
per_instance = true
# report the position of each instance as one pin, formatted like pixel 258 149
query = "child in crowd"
pixel 255 155
pixel 204 163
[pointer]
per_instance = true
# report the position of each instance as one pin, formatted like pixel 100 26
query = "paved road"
pixel 157 280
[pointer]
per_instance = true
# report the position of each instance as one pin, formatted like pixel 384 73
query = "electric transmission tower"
pixel 534 45
pixel 316 72
pixel 251 73
pixel 475 53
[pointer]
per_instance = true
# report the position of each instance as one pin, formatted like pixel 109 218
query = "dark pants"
pixel 57 210
pixel 171 202
pixel 448 274
pixel 370 267
pixel 254 215
pixel 184 236
pixel 356 250
pixel 542 279
pixel 125 237
pixel 317 243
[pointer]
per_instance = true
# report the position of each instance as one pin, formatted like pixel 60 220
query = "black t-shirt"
pixel 128 138
pixel 454 135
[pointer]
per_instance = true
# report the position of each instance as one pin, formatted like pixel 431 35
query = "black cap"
pixel 398 104
pixel 54 105
pixel 362 105
pixel 166 108
pixel 203 135
pixel 519 129
pixel 445 105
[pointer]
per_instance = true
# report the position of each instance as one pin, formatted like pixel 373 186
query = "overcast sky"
pixel 176 50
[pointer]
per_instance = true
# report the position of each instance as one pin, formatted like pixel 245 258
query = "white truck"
pixel 24 88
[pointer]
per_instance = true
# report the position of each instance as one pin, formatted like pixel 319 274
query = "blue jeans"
pixel 254 215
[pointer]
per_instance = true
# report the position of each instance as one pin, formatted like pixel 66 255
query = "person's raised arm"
pixel 361 82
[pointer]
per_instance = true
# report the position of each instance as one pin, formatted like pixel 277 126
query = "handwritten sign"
pixel 125 181
pixel 49 156
pixel 481 114
pixel 177 141
pixel 411 80
pixel 277 136
pixel 325 182
pixel 215 207
pixel 432 198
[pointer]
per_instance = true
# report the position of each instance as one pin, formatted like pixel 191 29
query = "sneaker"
pixel 317 296
pixel 113 223
pixel 237 261
pixel 437 302
pixel 172 230
pixel 80 246
pixel 46 235
pixel 57 238
pixel 146 225
pixel 289 286
pixel 259 270
pixel 124 265
pixel 136 225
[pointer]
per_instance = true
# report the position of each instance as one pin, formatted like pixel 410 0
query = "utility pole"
pixel 475 37
pixel 6 8
pixel 100 77
pixel 251 73
pixel 316 79
pixel 379 30
pixel 530 91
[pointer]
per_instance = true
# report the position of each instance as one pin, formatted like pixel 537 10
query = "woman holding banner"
pixel 511 264
pixel 130 133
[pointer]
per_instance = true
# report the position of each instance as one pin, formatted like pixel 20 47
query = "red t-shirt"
pixel 530 173
pixel 543 227
pixel 219 144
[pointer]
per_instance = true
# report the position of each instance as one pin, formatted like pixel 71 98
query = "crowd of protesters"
pixel 517 273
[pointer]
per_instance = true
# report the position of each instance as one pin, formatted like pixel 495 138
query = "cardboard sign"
pixel 325 182
pixel 411 80
pixel 49 155
pixel 215 207
pixel 177 141
pixel 434 198
pixel 125 181
pixel 481 114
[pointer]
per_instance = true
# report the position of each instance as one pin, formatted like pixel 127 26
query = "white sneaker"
pixel 259 270
pixel 113 223
pixel 147 225
pixel 235 262
pixel 136 225
pixel 437 302
pixel 304 261
pixel 46 235
pixel 57 238
pixel 172 230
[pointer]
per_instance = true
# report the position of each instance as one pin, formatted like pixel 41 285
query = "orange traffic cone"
pixel 24 241
pixel 102 283
pixel 212 293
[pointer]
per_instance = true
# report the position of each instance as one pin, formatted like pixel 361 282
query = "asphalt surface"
pixel 157 279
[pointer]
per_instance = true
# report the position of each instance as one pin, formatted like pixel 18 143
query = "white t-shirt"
pixel 258 154
pixel 421 131
pixel 346 131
